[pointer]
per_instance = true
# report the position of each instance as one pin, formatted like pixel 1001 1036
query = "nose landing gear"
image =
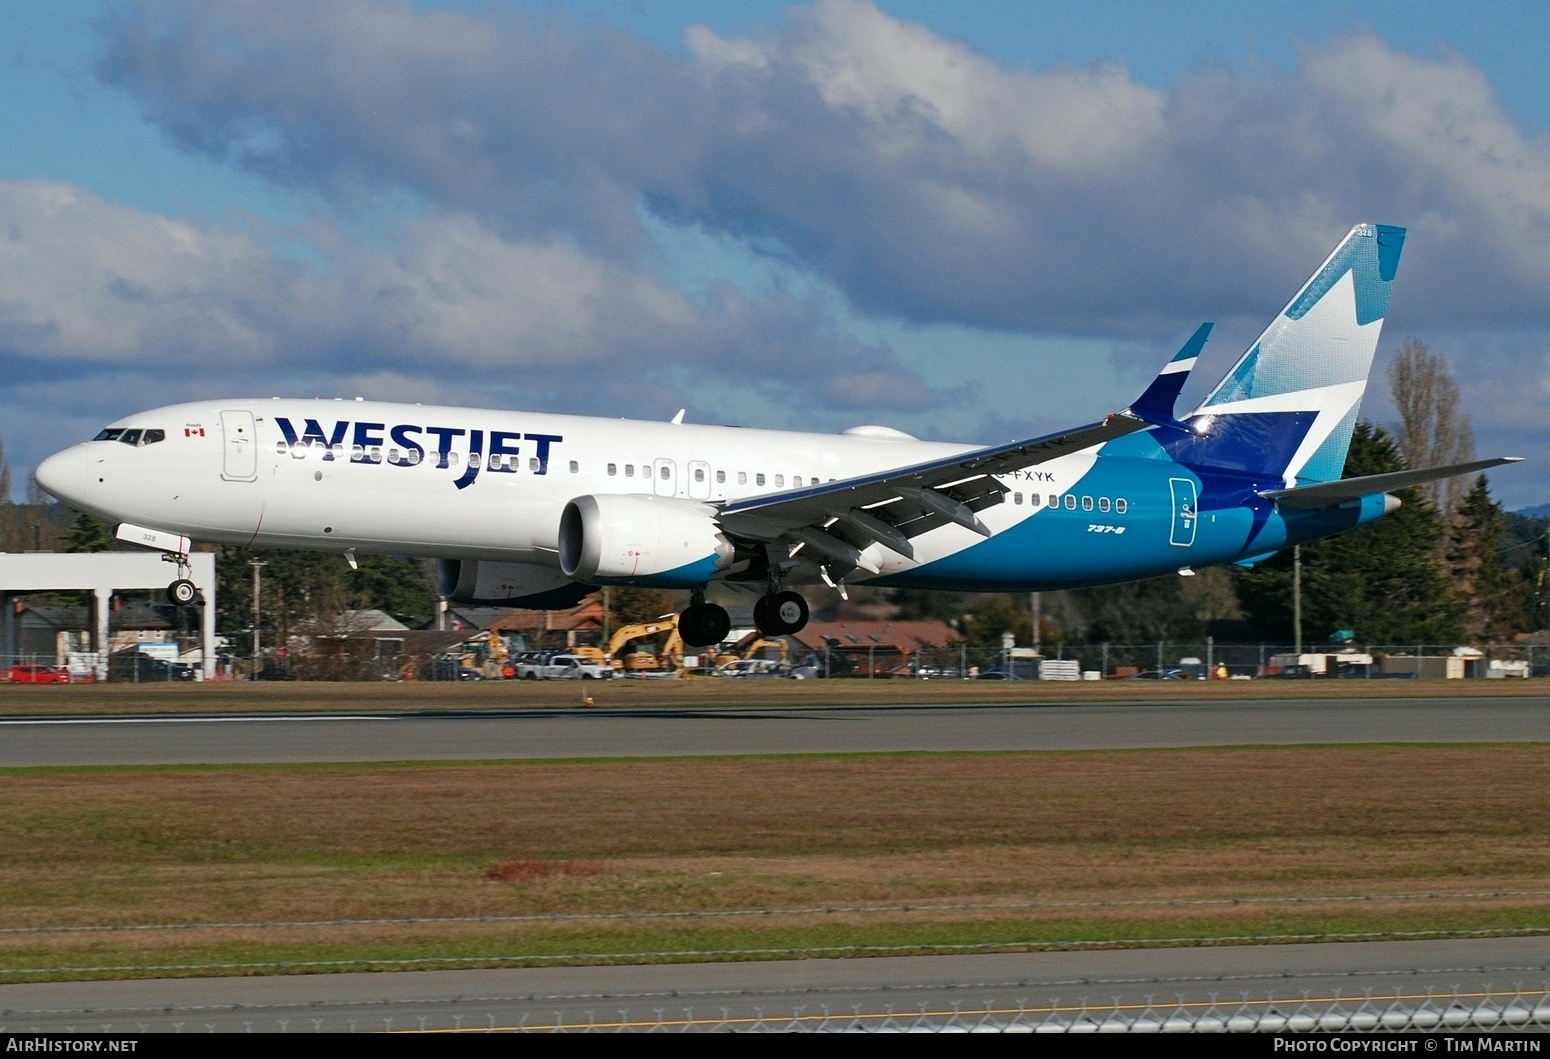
pixel 182 592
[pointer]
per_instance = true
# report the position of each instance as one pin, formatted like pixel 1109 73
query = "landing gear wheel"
pixel 704 625
pixel 780 614
pixel 182 592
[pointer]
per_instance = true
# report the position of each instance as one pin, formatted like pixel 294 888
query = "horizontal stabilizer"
pixel 1329 494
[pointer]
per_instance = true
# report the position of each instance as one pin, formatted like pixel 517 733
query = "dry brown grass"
pixel 17 700
pixel 1129 842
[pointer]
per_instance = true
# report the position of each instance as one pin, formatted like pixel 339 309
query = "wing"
pixel 838 520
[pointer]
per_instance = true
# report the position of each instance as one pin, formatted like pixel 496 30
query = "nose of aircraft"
pixel 63 475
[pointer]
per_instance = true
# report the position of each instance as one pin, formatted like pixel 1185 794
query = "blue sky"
pixel 972 221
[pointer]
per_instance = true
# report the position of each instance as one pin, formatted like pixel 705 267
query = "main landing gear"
pixel 775 614
pixel 780 613
pixel 703 624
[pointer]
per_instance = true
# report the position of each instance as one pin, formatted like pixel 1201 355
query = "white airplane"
pixel 526 509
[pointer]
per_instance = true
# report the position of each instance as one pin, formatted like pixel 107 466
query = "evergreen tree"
pixel 1384 581
pixel 991 615
pixel 1493 604
pixel 87 534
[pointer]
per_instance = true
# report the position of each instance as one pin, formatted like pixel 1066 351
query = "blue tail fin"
pixel 1288 407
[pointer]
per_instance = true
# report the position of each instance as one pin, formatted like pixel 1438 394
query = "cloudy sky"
pixel 971 221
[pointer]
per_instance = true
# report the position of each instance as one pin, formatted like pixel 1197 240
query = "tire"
pixel 182 592
pixel 781 614
pixel 704 626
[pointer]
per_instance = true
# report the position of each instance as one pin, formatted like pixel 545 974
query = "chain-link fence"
pixel 1184 661
pixel 1517 1010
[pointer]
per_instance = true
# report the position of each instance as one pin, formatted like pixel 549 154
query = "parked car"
pixel 565 667
pixel 998 674
pixel 30 674
pixel 1160 674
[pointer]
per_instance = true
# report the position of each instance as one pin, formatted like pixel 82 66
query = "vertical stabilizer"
pixel 1310 367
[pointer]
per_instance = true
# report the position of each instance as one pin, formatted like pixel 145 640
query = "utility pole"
pixel 1297 600
pixel 257 565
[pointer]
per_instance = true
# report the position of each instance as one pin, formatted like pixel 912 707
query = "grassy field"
pixel 243 697
pixel 154 871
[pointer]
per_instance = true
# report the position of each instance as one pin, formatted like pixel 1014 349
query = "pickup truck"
pixel 564 667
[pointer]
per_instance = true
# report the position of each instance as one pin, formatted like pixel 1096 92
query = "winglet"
pixel 1155 406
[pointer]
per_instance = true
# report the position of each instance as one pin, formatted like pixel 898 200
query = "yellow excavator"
pixel 488 657
pixel 670 657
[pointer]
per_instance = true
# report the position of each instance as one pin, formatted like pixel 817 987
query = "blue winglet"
pixel 1155 406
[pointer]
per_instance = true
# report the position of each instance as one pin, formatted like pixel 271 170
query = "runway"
pixel 560 734
pixel 899 993
pixel 873 993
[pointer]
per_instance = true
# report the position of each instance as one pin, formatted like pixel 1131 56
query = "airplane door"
pixel 1185 512
pixel 664 477
pixel 240 446
pixel 699 480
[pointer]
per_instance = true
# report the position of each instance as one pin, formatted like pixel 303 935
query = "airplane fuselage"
pixel 455 483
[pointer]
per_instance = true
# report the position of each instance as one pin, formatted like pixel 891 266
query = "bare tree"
pixel 1431 431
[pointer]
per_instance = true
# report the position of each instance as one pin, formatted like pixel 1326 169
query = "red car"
pixel 39 675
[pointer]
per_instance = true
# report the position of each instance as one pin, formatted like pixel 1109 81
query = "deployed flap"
pixel 1329 494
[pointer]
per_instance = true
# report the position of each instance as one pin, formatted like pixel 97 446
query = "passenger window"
pixel 414 457
pixel 780 481
pixel 613 469
pixel 699 474
pixel 574 467
pixel 797 481
pixel 1054 501
pixel 1120 506
pixel 1087 503
pixel 663 474
pixel 629 470
pixel 279 447
pixel 356 452
pixel 758 479
pixel 532 463
pixel 1070 501
pixel 742 477
pixel 1103 503
pixel 721 477
pixel 392 455
pixel 1033 499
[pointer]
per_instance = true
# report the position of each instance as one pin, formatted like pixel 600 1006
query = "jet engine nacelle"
pixel 496 584
pixel 613 537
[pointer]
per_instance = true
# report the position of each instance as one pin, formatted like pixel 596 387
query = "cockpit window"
pixel 131 437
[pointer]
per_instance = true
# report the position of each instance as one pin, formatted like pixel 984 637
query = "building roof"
pixel 587 615
pixel 859 635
